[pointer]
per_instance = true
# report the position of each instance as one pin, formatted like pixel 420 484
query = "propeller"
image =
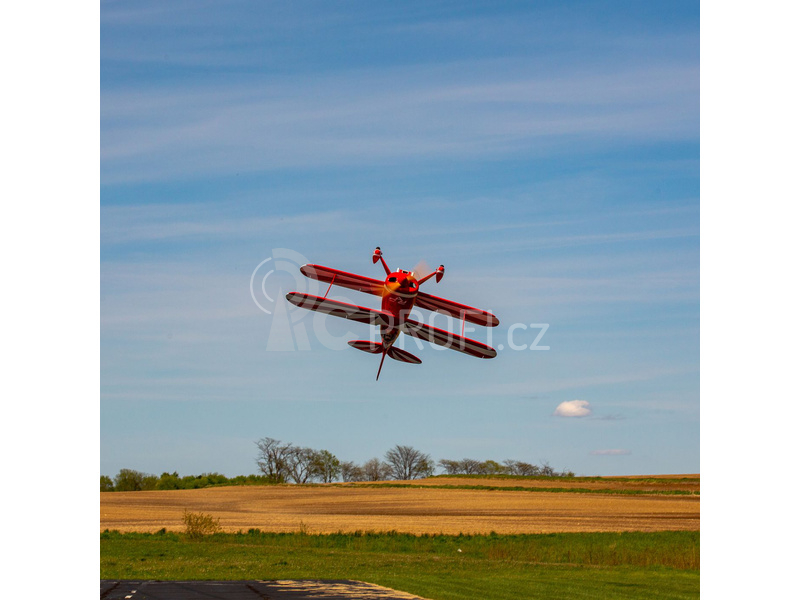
pixel 422 270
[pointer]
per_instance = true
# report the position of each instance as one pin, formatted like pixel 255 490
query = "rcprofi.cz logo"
pixel 287 331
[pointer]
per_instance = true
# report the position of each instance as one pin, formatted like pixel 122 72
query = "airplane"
pixel 399 293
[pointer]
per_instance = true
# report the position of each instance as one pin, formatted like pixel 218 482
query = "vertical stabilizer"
pixel 383 356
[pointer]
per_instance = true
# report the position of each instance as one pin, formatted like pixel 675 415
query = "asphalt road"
pixel 302 589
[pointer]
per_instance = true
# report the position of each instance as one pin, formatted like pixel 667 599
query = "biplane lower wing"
pixel 343 279
pixel 454 309
pixel 340 309
pixel 448 340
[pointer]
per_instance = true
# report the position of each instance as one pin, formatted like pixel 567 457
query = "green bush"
pixel 199 525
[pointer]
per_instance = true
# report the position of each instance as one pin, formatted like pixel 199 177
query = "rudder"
pixel 403 356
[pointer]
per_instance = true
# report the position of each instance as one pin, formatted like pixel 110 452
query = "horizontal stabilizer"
pixel 403 356
pixel 366 346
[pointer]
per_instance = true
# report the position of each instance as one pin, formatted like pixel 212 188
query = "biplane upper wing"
pixel 448 340
pixel 343 279
pixel 454 309
pixel 340 309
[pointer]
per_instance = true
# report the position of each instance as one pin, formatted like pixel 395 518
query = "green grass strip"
pixel 440 567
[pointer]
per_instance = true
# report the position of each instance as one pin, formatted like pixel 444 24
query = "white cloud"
pixel 613 452
pixel 573 408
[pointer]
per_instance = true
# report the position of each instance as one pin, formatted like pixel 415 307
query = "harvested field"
pixel 419 510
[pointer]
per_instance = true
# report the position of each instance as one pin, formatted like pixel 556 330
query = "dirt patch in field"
pixel 330 509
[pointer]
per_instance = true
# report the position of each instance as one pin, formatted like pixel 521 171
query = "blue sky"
pixel 547 154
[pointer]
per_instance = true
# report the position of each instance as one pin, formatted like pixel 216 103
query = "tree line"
pixel 286 463
pixel 129 480
pixel 280 462
pixel 468 466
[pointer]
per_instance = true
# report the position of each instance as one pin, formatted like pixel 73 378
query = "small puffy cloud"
pixel 614 452
pixel 573 408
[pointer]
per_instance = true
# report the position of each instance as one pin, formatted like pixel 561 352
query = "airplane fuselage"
pixel 399 293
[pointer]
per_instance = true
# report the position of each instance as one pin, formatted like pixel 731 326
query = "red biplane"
pixel 399 293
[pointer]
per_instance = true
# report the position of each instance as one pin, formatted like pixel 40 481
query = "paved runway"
pixel 301 589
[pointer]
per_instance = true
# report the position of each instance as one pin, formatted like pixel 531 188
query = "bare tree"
pixel 528 469
pixel 451 467
pixel 409 463
pixel 470 466
pixel 300 464
pixel 272 459
pixel 518 467
pixel 511 466
pixel 352 472
pixel 547 470
pixel 375 470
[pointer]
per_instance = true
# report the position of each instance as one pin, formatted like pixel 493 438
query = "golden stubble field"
pixel 417 510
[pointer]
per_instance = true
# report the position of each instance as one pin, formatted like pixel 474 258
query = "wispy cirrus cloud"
pixel 380 117
pixel 152 222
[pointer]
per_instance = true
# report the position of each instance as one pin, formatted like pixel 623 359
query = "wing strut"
pixel 329 287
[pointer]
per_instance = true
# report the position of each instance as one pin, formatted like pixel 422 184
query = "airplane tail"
pixel 376 348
